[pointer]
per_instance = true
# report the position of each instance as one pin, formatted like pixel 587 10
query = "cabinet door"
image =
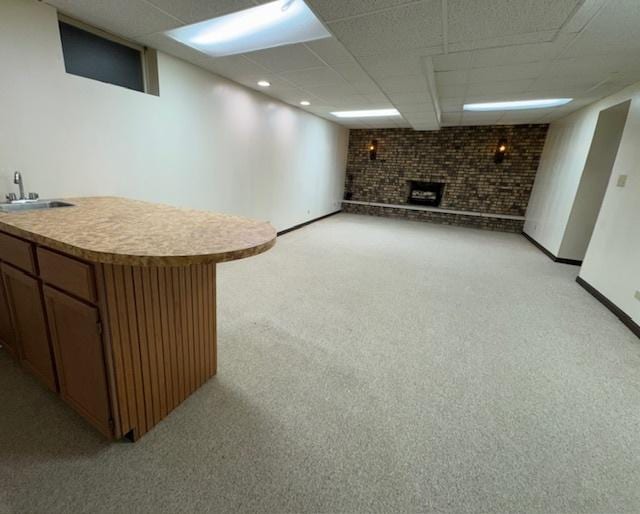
pixel 7 337
pixel 25 303
pixel 77 343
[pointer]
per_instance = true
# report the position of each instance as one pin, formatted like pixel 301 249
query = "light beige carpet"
pixel 367 365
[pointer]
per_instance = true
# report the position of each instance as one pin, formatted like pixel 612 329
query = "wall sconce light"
pixel 373 150
pixel 501 151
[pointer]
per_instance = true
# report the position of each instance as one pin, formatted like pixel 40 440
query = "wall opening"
pixel 594 181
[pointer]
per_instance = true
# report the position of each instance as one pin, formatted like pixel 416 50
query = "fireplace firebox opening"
pixel 425 193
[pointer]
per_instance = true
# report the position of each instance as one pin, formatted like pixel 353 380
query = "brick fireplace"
pixel 476 191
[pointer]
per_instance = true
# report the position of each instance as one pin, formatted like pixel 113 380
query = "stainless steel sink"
pixel 32 205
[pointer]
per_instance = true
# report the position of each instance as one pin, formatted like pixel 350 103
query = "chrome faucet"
pixel 11 197
pixel 17 179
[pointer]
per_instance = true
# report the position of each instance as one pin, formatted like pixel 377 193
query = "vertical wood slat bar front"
pixel 162 330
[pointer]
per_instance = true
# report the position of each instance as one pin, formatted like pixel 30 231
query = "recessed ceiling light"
pixel 264 83
pixel 283 22
pixel 305 102
pixel 518 105
pixel 373 113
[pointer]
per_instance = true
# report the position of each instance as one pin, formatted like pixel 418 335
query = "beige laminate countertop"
pixel 129 232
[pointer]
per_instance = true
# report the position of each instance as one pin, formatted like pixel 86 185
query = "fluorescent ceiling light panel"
pixel 374 113
pixel 278 23
pixel 518 105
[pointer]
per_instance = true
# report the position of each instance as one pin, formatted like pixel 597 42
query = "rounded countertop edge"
pixel 141 260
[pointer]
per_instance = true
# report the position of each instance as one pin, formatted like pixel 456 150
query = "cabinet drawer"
pixel 17 252
pixel 68 274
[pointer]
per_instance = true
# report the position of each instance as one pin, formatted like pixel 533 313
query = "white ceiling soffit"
pixel 427 58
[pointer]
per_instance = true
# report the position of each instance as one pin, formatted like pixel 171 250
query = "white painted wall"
pixel 205 143
pixel 612 261
pixel 594 181
pixel 556 185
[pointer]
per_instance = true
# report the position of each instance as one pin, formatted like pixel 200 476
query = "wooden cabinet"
pixel 27 312
pixel 7 337
pixel 77 343
pixel 159 340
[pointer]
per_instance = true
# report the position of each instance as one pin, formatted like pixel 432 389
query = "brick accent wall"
pixel 461 157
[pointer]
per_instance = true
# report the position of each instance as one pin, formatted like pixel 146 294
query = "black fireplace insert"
pixel 425 193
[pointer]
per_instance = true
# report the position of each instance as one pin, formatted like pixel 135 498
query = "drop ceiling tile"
pixel 235 66
pixel 595 65
pixel 503 73
pixel 336 9
pixel 376 98
pixel 583 15
pixel 498 88
pixel 333 90
pixel 518 54
pixel 368 87
pixel 416 108
pixel 625 78
pixel 452 62
pixel 412 26
pixel 614 30
pixel 451 104
pixel 421 118
pixel 322 76
pixel 352 72
pixel 456 91
pixel 285 58
pixel 570 83
pixel 402 63
pixel 192 11
pixel 523 116
pixel 508 46
pixel 504 41
pixel 331 51
pixel 126 18
pixel 469 118
pixel 357 102
pixel 484 19
pixel 401 104
pixel 403 84
pixel 451 78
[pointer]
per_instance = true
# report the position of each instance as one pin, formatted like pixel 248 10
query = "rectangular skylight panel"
pixel 278 23
pixel 517 105
pixel 374 113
